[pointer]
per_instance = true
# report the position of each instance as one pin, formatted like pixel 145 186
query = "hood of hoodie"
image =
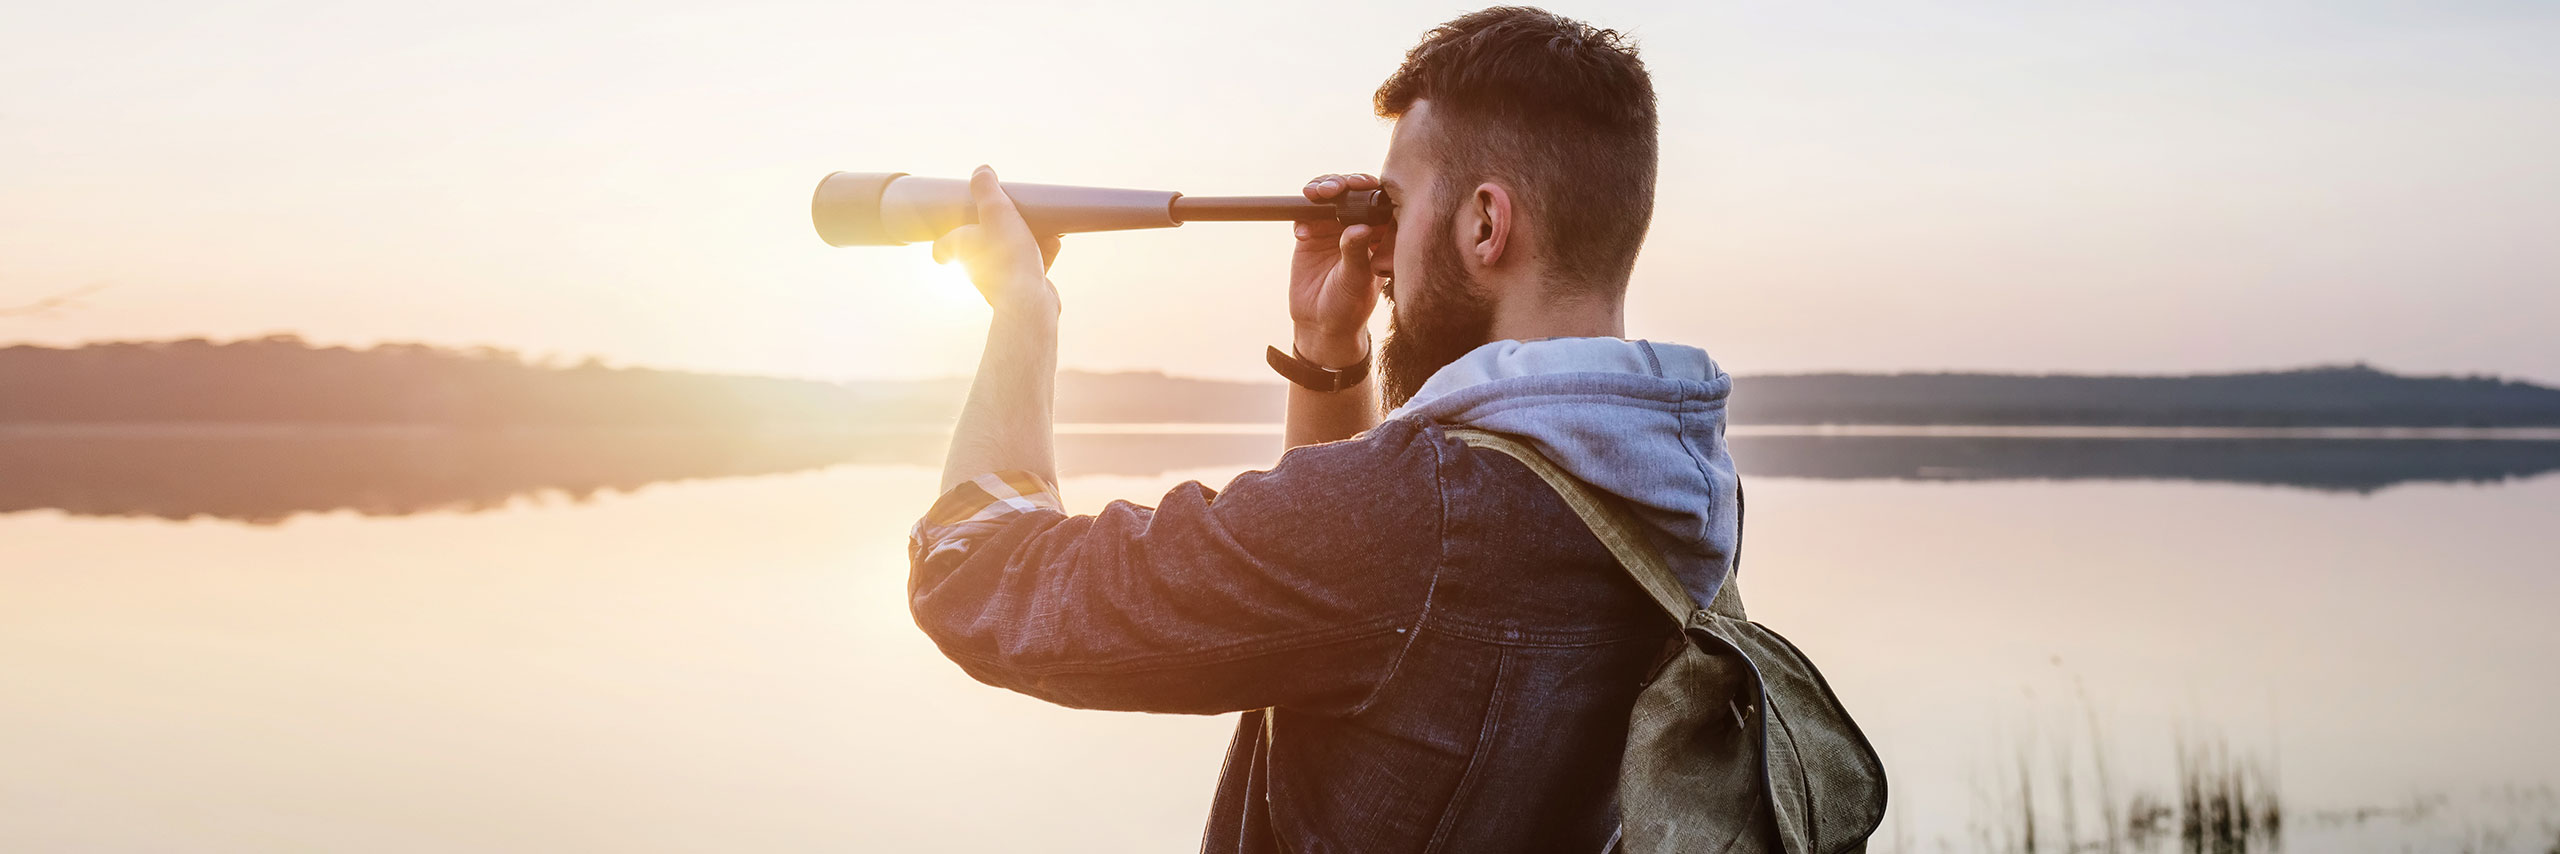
pixel 1640 420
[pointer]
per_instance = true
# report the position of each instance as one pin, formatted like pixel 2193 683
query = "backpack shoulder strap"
pixel 1615 526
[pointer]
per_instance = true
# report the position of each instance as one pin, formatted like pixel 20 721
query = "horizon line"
pixel 559 361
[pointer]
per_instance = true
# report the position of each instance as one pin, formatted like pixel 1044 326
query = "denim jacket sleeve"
pixel 1298 586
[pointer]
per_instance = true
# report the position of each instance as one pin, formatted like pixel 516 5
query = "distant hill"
pixel 2352 396
pixel 285 380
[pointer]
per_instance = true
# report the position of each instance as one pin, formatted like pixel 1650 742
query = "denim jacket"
pixel 1431 650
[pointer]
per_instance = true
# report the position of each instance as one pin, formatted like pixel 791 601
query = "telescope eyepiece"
pixel 1364 207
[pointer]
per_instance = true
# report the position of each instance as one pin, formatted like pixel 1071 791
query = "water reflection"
pixel 265 475
pixel 728 664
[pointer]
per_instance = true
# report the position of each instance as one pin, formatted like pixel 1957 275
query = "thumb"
pixel 1355 250
pixel 948 246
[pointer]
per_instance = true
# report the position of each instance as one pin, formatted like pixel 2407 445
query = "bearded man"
pixel 1431 651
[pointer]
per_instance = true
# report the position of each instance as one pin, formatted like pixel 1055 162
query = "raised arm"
pixel 1332 292
pixel 1007 423
pixel 1297 586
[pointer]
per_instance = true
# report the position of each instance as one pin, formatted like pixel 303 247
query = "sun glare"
pixel 948 276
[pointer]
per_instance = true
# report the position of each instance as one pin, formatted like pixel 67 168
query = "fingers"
pixel 1006 261
pixel 1355 249
pixel 954 243
pixel 1332 184
pixel 1323 231
pixel 1049 244
pixel 1324 187
pixel 995 209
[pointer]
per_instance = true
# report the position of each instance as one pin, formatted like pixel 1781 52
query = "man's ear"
pixel 1494 222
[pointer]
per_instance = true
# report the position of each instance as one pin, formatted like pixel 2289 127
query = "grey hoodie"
pixel 1640 420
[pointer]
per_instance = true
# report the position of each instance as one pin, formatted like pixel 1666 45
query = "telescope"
pixel 894 208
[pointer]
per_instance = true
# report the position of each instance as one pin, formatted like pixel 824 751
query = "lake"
pixel 267 638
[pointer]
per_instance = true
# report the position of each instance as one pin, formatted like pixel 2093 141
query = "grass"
pixel 2225 804
pixel 2218 800
pixel 2222 803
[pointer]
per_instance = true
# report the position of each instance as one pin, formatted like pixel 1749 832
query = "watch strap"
pixel 1310 376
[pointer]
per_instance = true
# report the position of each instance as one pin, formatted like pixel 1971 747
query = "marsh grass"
pixel 2221 802
pixel 2062 792
pixel 2226 804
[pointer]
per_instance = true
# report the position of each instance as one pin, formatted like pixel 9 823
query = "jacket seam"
pixel 1462 629
pixel 1413 633
pixel 1452 625
pixel 1476 760
pixel 1151 664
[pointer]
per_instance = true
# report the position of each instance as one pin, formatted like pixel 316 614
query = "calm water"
pixel 410 642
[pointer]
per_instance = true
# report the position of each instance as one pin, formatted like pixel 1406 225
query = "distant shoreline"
pixel 292 430
pixel 284 380
pixel 265 473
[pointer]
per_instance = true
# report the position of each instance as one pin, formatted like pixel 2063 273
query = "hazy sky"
pixel 2022 186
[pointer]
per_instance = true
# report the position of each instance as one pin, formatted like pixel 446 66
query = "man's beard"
pixel 1451 317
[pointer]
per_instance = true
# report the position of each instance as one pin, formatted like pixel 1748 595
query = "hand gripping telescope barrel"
pixel 893 208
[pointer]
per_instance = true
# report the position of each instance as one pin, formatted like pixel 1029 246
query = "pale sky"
pixel 2146 187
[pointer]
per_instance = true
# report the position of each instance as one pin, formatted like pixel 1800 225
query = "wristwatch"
pixel 1313 377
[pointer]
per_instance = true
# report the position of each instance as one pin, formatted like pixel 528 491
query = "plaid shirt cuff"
pixel 978 507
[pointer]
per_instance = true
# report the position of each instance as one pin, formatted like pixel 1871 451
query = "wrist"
pixel 1331 350
pixel 1036 301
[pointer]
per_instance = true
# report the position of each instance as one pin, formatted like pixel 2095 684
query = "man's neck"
pixel 1530 320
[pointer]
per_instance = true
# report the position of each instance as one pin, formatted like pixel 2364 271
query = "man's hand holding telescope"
pixel 1008 264
pixel 1008 422
pixel 1336 275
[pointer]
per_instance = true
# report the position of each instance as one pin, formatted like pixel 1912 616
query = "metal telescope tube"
pixel 894 208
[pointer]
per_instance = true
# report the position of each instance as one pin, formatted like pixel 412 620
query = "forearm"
pixel 1317 417
pixel 1007 423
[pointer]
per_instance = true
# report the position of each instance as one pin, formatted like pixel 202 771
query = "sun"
pixel 947 276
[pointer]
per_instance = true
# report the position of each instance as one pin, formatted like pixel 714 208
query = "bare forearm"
pixel 1317 417
pixel 1008 422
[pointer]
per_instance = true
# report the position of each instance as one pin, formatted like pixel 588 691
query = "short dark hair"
pixel 1560 110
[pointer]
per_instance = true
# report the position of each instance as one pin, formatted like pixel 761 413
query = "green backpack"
pixel 1736 744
